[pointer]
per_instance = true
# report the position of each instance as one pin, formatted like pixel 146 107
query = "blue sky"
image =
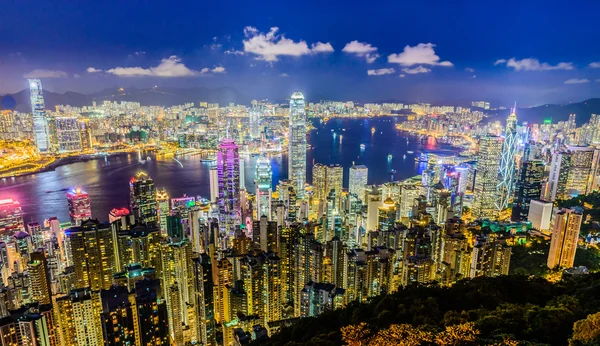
pixel 532 52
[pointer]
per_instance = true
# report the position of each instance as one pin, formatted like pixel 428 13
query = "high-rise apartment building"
pixel 573 171
pixel 68 134
pixel 297 143
pixel 565 235
pixel 485 192
pixel 40 122
pixel 325 179
pixel 79 206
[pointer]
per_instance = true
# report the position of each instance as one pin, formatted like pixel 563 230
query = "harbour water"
pixel 338 141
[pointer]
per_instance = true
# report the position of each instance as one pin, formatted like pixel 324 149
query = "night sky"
pixel 531 52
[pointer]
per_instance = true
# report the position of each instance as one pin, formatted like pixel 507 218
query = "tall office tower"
pixel 358 179
pixel 150 314
pixel 228 166
pixel 287 195
pixel 203 283
pixel 223 280
pixel 528 187
pixel 213 178
pixel 162 202
pixel 117 317
pixel 506 183
pixel 40 122
pixel 79 206
pixel 11 216
pixel 178 285
pixel 68 135
pixel 142 198
pixel 39 277
pixel 327 178
pixel 254 122
pixel 242 175
pixel 92 250
pixel 573 171
pixel 263 185
pixel 567 223
pixel 486 192
pixel 297 144
pixel 490 257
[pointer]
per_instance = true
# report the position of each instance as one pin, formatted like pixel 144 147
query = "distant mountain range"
pixel 163 96
pixel 148 97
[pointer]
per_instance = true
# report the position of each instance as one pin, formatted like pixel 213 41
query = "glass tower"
pixel 263 184
pixel 506 184
pixel 40 123
pixel 297 144
pixel 228 171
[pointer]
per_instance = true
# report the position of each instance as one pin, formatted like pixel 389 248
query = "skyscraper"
pixel 567 223
pixel 68 134
pixel 297 144
pixel 142 198
pixel 213 179
pixel 573 171
pixel 507 163
pixel 40 122
pixel 79 206
pixel 228 167
pixel 358 180
pixel 485 191
pixel 529 186
pixel 162 201
pixel 263 184
pixel 327 178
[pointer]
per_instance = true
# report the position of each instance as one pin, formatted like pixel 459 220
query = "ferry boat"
pixel 410 152
pixel 372 130
pixel 390 157
pixel 362 147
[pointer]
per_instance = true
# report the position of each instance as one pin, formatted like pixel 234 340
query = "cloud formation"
pixel 41 73
pixel 270 46
pixel 468 69
pixel 284 75
pixel 381 72
pixel 421 54
pixel 361 49
pixel 531 64
pixel 234 52
pixel 168 67
pixel 93 70
pixel 577 81
pixel 416 70
pixel 595 64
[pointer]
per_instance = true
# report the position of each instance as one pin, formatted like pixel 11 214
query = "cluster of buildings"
pixel 235 267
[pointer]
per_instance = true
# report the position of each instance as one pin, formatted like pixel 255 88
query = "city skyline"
pixel 263 55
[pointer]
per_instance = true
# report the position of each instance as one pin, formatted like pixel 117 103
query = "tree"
pixel 586 332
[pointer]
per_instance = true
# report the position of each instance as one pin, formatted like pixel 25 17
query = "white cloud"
pixel 415 70
pixel 402 76
pixel 234 52
pixel 218 69
pixel 577 81
pixel 595 64
pixel 531 64
pixel 168 67
pixel 215 46
pixel 381 72
pixel 362 49
pixel 93 70
pixel 284 75
pixel 474 76
pixel 41 73
pixel 421 54
pixel 468 69
pixel 270 46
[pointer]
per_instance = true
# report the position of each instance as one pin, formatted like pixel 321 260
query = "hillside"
pixel 556 112
pixel 506 310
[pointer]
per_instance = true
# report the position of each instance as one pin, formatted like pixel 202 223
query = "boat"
pixel 389 156
pixel 362 147
pixel 372 130
pixel 410 152
pixel 404 156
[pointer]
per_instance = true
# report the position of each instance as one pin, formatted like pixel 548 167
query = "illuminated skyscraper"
pixel 68 135
pixel 254 120
pixel 297 144
pixel 38 275
pixel 142 198
pixel 486 178
pixel 213 178
pixel 263 184
pixel 506 184
pixel 327 178
pixel 162 201
pixel 528 187
pixel 573 172
pixel 40 122
pixel 567 223
pixel 358 180
pixel 11 216
pixel 228 167
pixel 79 206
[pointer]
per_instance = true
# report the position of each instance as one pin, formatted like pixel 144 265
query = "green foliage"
pixel 530 310
pixel 530 258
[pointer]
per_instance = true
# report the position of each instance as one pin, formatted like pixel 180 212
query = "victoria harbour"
pixel 337 141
